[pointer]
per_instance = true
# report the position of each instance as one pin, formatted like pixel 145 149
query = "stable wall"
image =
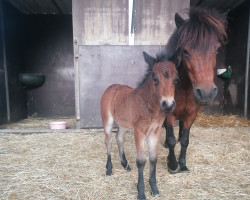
pixel 108 46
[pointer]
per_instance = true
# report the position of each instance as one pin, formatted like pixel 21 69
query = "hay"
pixel 217 120
pixel 202 120
pixel 72 166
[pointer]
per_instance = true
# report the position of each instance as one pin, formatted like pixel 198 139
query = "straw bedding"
pixel 72 166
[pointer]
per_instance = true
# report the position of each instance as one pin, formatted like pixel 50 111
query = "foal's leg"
pixel 140 162
pixel 173 166
pixel 120 143
pixel 153 142
pixel 108 141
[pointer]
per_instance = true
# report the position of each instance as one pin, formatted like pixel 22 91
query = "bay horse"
pixel 142 109
pixel 192 47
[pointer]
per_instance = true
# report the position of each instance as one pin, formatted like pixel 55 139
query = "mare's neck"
pixel 185 81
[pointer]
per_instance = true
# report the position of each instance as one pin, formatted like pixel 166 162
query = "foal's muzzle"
pixel 168 105
pixel 204 97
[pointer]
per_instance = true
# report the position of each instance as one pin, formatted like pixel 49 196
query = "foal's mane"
pixel 199 31
pixel 151 62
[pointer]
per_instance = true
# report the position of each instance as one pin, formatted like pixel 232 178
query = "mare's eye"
pixel 186 53
pixel 218 51
pixel 166 75
pixel 176 80
pixel 155 79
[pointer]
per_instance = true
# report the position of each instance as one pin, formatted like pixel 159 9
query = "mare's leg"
pixel 184 144
pixel 153 142
pixel 140 162
pixel 108 141
pixel 180 130
pixel 120 143
pixel 184 140
pixel 173 166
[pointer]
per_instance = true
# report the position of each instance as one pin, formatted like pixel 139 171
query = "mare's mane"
pixel 151 62
pixel 199 31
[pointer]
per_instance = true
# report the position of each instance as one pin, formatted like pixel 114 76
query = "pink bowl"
pixel 58 125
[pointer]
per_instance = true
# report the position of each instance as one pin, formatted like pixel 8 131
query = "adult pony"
pixel 144 110
pixel 193 47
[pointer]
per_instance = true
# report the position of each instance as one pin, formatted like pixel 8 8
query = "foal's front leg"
pixel 153 142
pixel 140 162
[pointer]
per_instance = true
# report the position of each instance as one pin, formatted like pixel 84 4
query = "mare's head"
pixel 162 76
pixel 194 46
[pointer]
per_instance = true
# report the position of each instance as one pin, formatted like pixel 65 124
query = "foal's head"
pixel 162 75
pixel 196 42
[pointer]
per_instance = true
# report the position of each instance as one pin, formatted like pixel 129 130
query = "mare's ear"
pixel 149 59
pixel 178 20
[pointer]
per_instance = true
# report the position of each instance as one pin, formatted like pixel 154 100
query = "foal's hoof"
pixel 177 170
pixel 126 167
pixel 155 193
pixel 108 172
pixel 141 197
pixel 166 144
pixel 184 169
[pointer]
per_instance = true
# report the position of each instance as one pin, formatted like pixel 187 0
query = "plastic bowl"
pixel 58 125
pixel 32 81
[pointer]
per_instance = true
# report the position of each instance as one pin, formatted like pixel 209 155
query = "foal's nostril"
pixel 168 106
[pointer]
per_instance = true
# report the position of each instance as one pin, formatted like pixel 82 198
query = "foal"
pixel 144 110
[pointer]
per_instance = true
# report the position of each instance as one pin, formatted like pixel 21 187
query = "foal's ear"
pixel 178 20
pixel 149 59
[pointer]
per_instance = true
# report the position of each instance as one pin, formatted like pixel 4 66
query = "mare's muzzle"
pixel 168 105
pixel 204 97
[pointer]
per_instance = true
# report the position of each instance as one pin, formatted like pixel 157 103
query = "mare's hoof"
pixel 141 197
pixel 184 169
pixel 177 170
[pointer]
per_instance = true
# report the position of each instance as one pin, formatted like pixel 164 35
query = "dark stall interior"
pixel 36 43
pixel 236 56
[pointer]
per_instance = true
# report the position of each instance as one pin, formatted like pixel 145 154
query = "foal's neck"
pixel 148 95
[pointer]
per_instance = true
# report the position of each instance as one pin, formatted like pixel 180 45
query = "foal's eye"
pixel 166 75
pixel 176 80
pixel 155 79
pixel 186 53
